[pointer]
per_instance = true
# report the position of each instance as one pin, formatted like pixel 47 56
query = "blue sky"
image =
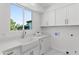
pixel 17 14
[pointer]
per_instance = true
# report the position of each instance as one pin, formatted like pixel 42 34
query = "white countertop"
pixel 42 36
pixel 8 44
pixel 27 41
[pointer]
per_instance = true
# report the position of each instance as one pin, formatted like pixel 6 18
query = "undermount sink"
pixel 28 40
pixel 28 43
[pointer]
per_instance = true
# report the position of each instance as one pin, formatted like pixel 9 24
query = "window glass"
pixel 27 19
pixel 17 16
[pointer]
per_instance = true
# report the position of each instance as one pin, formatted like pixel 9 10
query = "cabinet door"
pixel 48 18
pixel 44 19
pixel 13 51
pixel 61 16
pixel 51 18
pixel 30 52
pixel 45 45
pixel 73 15
pixel 36 50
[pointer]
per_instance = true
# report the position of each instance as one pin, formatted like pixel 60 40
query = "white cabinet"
pixel 48 18
pixel 67 15
pixel 31 49
pixel 51 18
pixel 73 14
pixel 30 52
pixel 34 51
pixel 61 16
pixel 44 44
pixel 13 51
pixel 44 20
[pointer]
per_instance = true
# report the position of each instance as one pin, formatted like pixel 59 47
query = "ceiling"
pixel 45 5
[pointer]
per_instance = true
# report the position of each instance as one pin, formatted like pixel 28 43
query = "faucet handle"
pixel 24 32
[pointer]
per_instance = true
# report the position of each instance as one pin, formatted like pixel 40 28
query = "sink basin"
pixel 28 43
pixel 39 36
pixel 27 40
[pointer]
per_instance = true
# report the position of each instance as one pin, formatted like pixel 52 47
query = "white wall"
pixel 63 42
pixel 36 21
pixel 4 17
pixel 5 23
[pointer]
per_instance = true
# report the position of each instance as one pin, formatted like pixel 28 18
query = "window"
pixel 27 19
pixel 20 17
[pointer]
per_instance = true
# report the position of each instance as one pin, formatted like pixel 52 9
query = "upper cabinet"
pixel 44 19
pixel 48 19
pixel 51 18
pixel 73 14
pixel 68 15
pixel 61 16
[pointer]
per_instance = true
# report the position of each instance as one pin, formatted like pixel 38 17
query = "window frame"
pixel 23 9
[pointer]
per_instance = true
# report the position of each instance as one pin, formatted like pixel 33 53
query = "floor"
pixel 54 52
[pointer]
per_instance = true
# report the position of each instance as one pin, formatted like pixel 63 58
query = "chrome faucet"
pixel 24 33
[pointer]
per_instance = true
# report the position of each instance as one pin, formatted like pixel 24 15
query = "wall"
pixel 5 22
pixel 61 37
pixel 63 41
pixel 4 17
pixel 36 22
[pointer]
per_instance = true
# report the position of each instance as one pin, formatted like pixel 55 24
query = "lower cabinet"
pixel 13 51
pixel 34 51
pixel 36 48
pixel 45 45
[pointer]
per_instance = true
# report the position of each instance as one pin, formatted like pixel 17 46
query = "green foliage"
pixel 12 24
pixel 19 27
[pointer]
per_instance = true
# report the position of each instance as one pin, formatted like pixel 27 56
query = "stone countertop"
pixel 8 44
